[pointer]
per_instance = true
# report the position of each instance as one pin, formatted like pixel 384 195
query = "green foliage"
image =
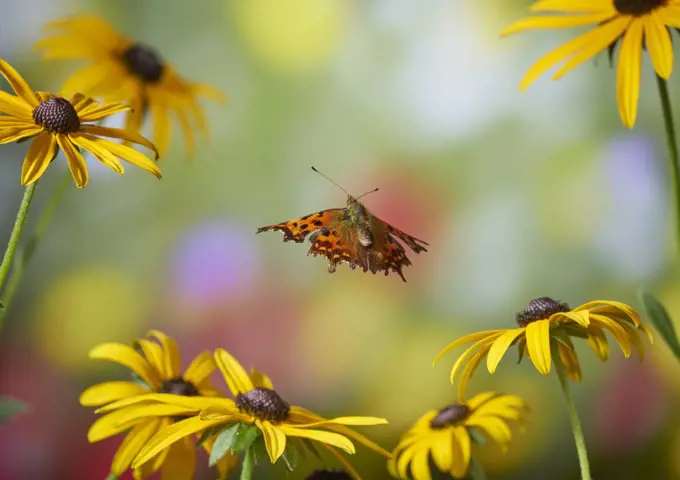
pixel 111 477
pixel 207 433
pixel 235 438
pixel 477 436
pixel 662 321
pixel 9 407
pixel 248 465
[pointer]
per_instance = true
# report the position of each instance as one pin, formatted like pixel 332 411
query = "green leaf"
pixel 309 445
pixel 223 442
pixel 111 477
pixel 245 437
pixel 662 321
pixel 259 450
pixel 290 457
pixel 477 436
pixel 9 407
pixel 248 465
pixel 207 433
pixel 2 306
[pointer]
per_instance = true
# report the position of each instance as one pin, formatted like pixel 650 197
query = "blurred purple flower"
pixel 631 238
pixel 214 261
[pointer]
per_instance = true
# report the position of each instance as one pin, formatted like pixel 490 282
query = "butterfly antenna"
pixel 327 178
pixel 372 191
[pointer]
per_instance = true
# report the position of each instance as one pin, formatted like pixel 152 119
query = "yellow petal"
pixel 461 456
pixel 200 368
pixel 582 317
pixel 195 403
pixel 108 425
pixel 260 379
pixel 171 434
pixel 322 436
pixel 442 451
pixel 607 307
pixel 473 337
pixel 154 355
pixel 120 134
pixel 16 107
pixel 171 355
pixel 94 111
pixel 566 21
pixel 570 362
pixel 18 84
pixel 11 135
pixel 480 399
pixel 538 343
pixel 420 465
pixel 573 6
pixel 465 356
pixel 180 463
pixel 551 59
pixel 497 429
pixel 598 343
pixel 106 392
pixel 162 128
pixel 354 421
pixel 39 156
pixel 616 330
pixel 658 41
pixel 132 444
pixel 76 162
pixel 126 153
pixel 90 78
pixel 274 439
pixel 633 336
pixel 102 154
pixel 208 91
pixel 149 468
pixel 128 357
pixel 137 412
pixel 628 74
pixel 234 374
pixel 469 369
pixel 500 346
pixel 81 103
pixel 7 122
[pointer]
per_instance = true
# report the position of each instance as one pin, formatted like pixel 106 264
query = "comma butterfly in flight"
pixel 352 235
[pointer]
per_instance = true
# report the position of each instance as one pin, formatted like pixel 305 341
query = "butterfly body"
pixel 351 235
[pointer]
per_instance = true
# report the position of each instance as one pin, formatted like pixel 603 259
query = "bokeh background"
pixel 519 195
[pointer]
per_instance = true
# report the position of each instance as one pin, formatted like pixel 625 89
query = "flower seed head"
pixel 264 404
pixel 638 8
pixel 57 115
pixel 328 475
pixel 178 386
pixel 144 62
pixel 540 309
pixel 451 415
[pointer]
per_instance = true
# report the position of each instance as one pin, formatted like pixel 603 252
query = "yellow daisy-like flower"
pixel 256 403
pixel 121 69
pixel 547 325
pixel 57 123
pixel 157 365
pixel 642 24
pixel 445 435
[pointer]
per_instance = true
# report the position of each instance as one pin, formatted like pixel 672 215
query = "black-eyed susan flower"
pixel 547 325
pixel 640 24
pixel 256 403
pixel 156 366
pixel 121 69
pixel 57 123
pixel 445 435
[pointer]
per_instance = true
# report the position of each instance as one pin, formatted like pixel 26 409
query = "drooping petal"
pixel 468 353
pixel 132 444
pixel 76 162
pixel 106 392
pixel 494 427
pixel 94 111
pixel 171 356
pixel 538 343
pixel 149 468
pixel 11 135
pixel 616 330
pixel 128 357
pixel 162 128
pixel 18 84
pixel 573 6
pixel 473 337
pixel 628 74
pixel 274 439
pixel 234 374
pixel 108 425
pixel 39 156
pixel 598 343
pixel 330 438
pixel 442 450
pixel 582 317
pixel 566 21
pixel 469 369
pixel 481 399
pixel 658 42
pixel 16 107
pixel 570 362
pixel 154 355
pixel 500 346
pixel 141 411
pixel 126 153
pixel 102 154
pixel 420 465
pixel 195 403
pixel 200 368
pixel 120 134
pixel 180 463
pixel 461 457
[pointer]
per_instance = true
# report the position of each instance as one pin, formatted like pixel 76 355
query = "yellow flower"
pixel 56 123
pixel 546 325
pixel 642 24
pixel 445 435
pixel 158 369
pixel 124 70
pixel 256 403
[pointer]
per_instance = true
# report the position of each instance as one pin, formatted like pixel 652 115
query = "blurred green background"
pixel 520 196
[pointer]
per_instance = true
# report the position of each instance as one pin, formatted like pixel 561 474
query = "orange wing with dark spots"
pixel 297 229
pixel 412 242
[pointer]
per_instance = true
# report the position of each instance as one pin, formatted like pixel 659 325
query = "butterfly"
pixel 352 235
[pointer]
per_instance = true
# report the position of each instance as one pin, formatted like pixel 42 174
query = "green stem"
pixel 476 470
pixel 672 149
pixel 573 417
pixel 16 233
pixel 248 464
pixel 26 254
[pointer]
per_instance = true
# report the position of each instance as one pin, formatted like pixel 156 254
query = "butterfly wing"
pixel 412 242
pixel 297 229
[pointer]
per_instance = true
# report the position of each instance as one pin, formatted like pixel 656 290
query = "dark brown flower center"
pixel 144 62
pixel 178 386
pixel 637 8
pixel 264 404
pixel 57 115
pixel 451 415
pixel 328 475
pixel 540 309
